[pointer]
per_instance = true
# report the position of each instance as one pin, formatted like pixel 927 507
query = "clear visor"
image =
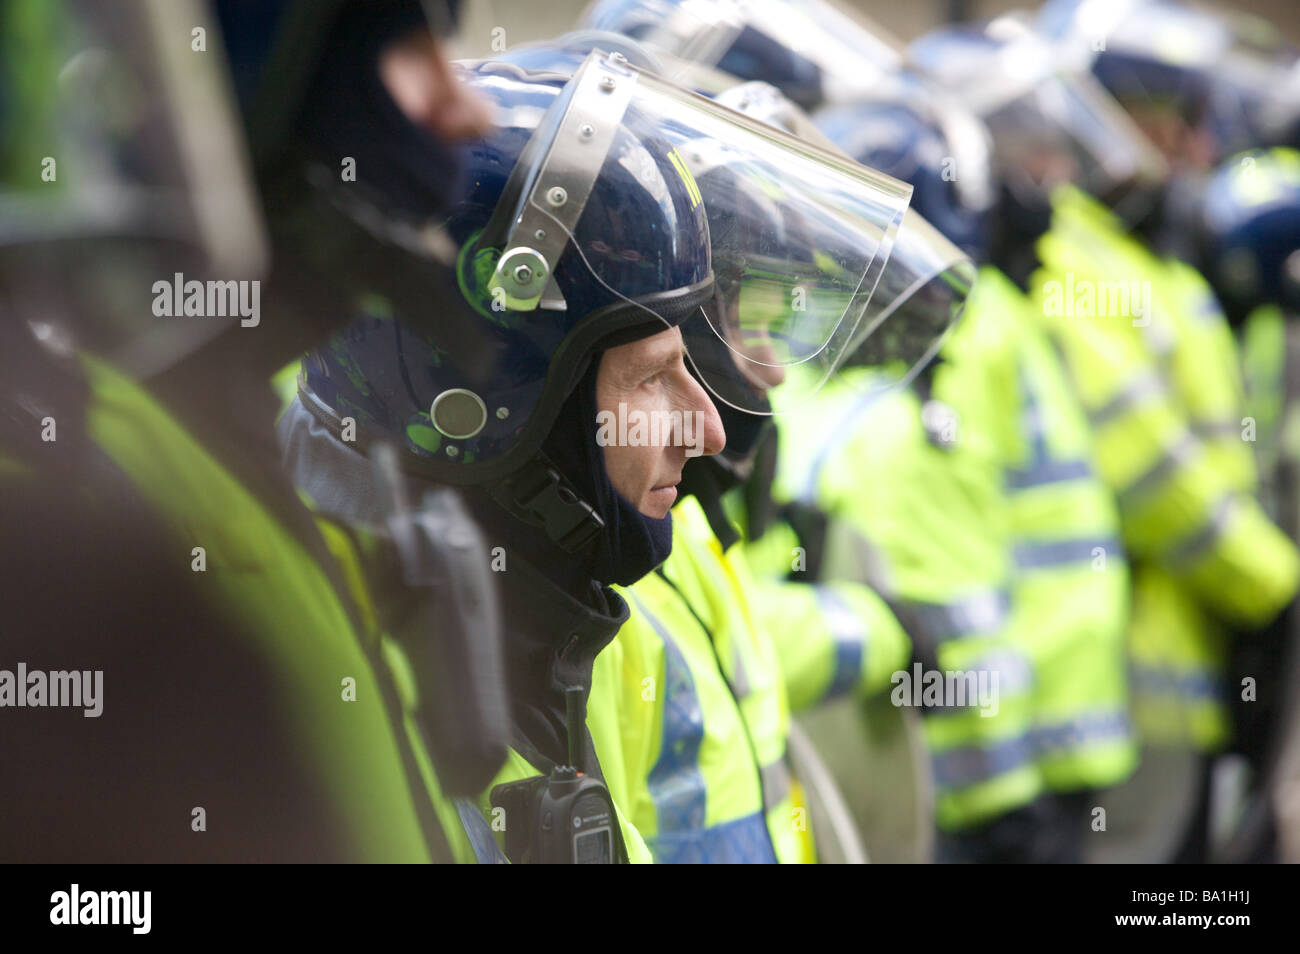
pixel 798 238
pixel 767 104
pixel 1051 129
pixel 850 52
pixel 926 284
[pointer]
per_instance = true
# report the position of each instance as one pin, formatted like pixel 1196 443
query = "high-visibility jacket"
pixel 367 760
pixel 832 637
pixel 934 542
pixel 1071 581
pixel 337 482
pixel 690 695
pixel 1182 508
pixel 1272 410
pixel 1204 367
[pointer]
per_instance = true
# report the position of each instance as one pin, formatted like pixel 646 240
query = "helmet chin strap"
pixel 540 495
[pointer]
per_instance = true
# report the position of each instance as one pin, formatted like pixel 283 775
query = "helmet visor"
pixel 796 238
pixel 813 51
pixel 1050 128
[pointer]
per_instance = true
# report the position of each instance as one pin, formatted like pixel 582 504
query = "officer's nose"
pixel 712 437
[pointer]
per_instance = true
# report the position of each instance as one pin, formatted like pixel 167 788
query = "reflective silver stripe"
pixel 850 636
pixel 1196 685
pixel 1175 457
pixel 1089 728
pixel 979 614
pixel 1205 536
pixel 971 765
pixel 1135 391
pixel 1042 554
pixel 1015 674
pixel 775 778
pixel 1225 427
pixel 1048 472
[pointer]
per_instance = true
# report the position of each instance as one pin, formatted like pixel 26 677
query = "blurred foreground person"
pixel 243 704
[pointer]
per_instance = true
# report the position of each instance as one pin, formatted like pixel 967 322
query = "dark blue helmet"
pixel 933 143
pixel 1251 231
pixel 635 261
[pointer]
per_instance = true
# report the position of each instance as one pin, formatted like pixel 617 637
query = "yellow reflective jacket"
pixel 690 696
pixel 1185 506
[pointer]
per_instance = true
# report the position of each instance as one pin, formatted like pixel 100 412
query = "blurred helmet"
pixel 1050 124
pixel 929 140
pixel 1251 231
pixel 1226 72
pixel 121 165
pixel 124 153
pixel 810 50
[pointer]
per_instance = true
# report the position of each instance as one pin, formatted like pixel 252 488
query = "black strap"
pixel 538 494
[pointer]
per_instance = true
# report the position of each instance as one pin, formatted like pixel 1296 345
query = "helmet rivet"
pixel 520 271
pixel 459 414
pixel 503 413
pixel 557 196
pixel 540 234
pixel 618 57
pixel 586 130
pixel 452 451
pixel 607 83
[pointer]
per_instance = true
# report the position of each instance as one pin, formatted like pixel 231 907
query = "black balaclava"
pixel 630 545
pixel 348 112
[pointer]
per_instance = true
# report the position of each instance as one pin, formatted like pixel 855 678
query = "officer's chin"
pixel 658 501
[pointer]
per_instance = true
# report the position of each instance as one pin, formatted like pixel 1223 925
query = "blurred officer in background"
pixel 1203 551
pixel 1060 519
pixel 1201 83
pixel 249 711
pixel 1248 242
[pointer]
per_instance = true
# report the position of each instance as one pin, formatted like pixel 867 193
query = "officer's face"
pixel 652 415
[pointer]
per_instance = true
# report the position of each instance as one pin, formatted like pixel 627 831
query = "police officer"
pixel 1203 551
